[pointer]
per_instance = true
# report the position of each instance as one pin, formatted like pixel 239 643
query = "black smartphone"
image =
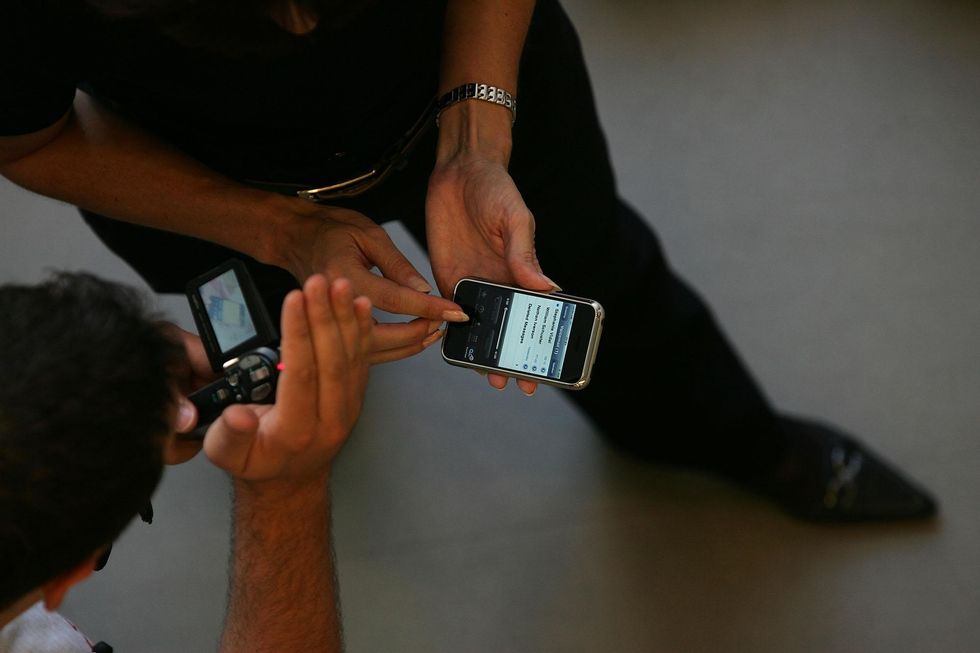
pixel 549 338
pixel 239 338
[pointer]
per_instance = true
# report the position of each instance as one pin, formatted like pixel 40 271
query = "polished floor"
pixel 814 169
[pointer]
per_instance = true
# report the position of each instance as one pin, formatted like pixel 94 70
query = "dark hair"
pixel 85 407
pixel 231 27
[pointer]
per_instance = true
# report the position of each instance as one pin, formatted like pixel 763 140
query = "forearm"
pixel 100 163
pixel 283 594
pixel 483 42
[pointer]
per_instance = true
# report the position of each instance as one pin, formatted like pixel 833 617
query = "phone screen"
pixel 227 311
pixel 529 333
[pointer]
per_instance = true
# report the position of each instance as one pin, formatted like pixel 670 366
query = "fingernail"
pixel 455 316
pixel 186 415
pixel 553 284
pixel 435 324
pixel 531 393
pixel 420 285
pixel 431 338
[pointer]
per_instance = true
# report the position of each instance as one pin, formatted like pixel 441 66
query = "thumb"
pixel 186 415
pixel 230 438
pixel 522 259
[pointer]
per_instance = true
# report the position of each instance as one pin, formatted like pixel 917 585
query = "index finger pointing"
pixel 390 296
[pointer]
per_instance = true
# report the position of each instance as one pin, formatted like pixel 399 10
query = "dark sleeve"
pixel 36 83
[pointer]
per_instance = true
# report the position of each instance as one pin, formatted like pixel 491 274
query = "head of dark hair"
pixel 85 408
pixel 231 27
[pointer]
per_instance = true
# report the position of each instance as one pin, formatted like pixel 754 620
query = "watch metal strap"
pixel 477 91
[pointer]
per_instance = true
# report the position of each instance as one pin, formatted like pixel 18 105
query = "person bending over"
pixel 202 128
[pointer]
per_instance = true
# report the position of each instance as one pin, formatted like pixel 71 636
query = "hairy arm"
pixel 283 590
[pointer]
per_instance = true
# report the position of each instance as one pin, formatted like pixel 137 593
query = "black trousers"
pixel 667 384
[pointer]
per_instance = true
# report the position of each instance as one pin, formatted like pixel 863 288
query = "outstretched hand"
pixel 326 341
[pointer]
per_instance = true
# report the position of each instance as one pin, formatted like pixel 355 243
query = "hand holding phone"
pixel 549 338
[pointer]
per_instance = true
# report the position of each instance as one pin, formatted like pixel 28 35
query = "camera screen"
pixel 227 311
pixel 519 332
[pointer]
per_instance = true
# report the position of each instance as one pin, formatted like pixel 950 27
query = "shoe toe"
pixel 848 482
pixel 861 486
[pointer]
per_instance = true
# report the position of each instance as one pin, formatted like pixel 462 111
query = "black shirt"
pixel 325 106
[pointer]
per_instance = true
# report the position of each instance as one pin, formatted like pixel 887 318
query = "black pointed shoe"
pixel 828 476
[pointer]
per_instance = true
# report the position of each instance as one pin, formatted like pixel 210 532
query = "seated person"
pixel 89 415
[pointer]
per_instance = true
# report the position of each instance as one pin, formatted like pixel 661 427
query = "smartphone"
pixel 549 338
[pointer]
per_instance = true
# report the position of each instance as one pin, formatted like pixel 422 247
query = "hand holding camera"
pixel 326 339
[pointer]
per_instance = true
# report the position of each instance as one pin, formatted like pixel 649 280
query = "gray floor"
pixel 814 169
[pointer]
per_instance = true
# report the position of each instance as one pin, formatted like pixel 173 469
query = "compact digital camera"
pixel 240 340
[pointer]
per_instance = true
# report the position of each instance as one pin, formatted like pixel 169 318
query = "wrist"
pixel 280 495
pixel 475 129
pixel 479 92
pixel 267 216
pixel 287 227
